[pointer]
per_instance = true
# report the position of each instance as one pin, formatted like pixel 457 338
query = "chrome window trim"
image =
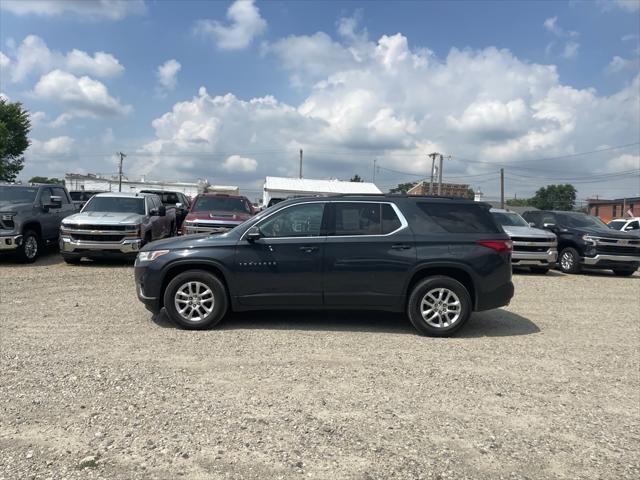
pixel 403 221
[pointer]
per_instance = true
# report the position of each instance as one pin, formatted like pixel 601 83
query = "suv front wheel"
pixel 438 306
pixel 196 299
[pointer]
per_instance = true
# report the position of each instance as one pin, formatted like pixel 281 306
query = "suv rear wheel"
pixel 196 299
pixel 29 248
pixel 438 306
pixel 569 260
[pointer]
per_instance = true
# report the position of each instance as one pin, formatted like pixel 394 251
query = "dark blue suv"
pixel 438 259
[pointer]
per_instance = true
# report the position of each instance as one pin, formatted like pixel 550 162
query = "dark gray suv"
pixel 437 259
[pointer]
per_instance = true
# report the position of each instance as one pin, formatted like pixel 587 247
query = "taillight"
pixel 500 246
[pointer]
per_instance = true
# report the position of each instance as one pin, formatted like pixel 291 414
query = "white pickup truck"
pixel 115 224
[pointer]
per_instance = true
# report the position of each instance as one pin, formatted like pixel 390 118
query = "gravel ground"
pixel 92 387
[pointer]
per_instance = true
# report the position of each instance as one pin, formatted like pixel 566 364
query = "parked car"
pixel 115 224
pixel 216 213
pixel 172 199
pixel 80 197
pixel 585 241
pixel 30 217
pixel 625 224
pixel 436 259
pixel 532 247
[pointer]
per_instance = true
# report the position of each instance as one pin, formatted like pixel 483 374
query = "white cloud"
pixel 33 55
pixel 386 100
pixel 93 9
pixel 81 96
pixel 236 163
pixel 624 162
pixel 619 64
pixel 167 74
pixel 4 60
pixel 625 5
pixel 54 146
pixel 245 24
pixel 4 96
pixel 570 50
pixel 630 37
pixel 61 120
pixel 551 24
pixel 37 118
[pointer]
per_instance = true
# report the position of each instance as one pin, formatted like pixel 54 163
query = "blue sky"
pixel 500 83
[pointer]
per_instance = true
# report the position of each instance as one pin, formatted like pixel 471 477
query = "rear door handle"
pixel 308 249
pixel 401 246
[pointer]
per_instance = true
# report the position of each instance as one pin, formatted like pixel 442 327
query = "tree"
pixel 46 180
pixel 518 202
pixel 356 178
pixel 14 128
pixel 471 194
pixel 555 197
pixel 403 187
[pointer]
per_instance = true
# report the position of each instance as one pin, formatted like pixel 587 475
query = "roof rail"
pixel 395 195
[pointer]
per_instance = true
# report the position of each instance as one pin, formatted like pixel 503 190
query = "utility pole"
pixel 433 166
pixel 440 177
pixel 122 155
pixel 502 188
pixel 375 160
pixel 300 163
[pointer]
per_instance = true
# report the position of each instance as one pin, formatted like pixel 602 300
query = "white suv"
pixel 625 224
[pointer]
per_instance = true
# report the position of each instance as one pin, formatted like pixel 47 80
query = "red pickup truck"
pixel 216 212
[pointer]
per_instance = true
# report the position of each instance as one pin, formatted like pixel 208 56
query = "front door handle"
pixel 401 246
pixel 308 249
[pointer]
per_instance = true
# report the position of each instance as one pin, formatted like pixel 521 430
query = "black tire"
pixel 539 270
pixel 218 308
pixel 174 230
pixel 72 259
pixel 569 260
pixel 29 249
pixel 624 272
pixel 419 293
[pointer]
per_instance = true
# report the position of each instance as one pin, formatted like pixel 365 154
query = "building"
pixel 607 210
pixel 448 189
pixel 92 182
pixel 282 187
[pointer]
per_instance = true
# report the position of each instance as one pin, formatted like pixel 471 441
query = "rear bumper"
pixel 611 261
pixel 534 258
pixel 10 242
pixel 128 246
pixel 499 297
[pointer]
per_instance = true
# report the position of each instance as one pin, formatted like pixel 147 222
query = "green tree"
pixel 356 178
pixel 46 180
pixel 403 187
pixel 518 202
pixel 14 129
pixel 471 194
pixel 555 197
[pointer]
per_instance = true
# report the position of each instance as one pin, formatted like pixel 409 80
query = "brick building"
pixel 607 210
pixel 448 189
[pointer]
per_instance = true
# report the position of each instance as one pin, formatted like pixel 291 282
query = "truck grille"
pixel 97 238
pixel 116 228
pixel 528 248
pixel 614 246
pixel 532 244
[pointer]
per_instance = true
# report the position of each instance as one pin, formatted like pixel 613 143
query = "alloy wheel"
pixel 440 307
pixel 30 247
pixel 566 262
pixel 194 301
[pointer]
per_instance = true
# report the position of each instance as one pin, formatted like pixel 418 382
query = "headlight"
pixel 589 239
pixel 7 216
pixel 66 226
pixel 151 255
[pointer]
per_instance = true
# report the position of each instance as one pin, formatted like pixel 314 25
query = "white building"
pixel 282 187
pixel 91 182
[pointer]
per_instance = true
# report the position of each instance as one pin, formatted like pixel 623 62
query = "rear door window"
pixel 453 218
pixel 357 218
pixel 390 220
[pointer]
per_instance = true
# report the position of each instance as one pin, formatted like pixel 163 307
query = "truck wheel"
pixel 196 300
pixel 174 230
pixel 624 272
pixel 570 260
pixel 438 306
pixel 539 270
pixel 29 248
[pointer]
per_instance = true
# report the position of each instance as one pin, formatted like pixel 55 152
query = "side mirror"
pixel 178 205
pixel 253 234
pixel 162 211
pixel 54 202
pixel 549 226
pixel 531 224
pixel 628 228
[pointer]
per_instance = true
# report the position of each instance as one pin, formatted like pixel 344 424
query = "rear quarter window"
pixel 434 218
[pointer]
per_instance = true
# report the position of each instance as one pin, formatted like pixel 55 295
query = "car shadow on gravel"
pixel 48 256
pixel 495 323
pixel 528 273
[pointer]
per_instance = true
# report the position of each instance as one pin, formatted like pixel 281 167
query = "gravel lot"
pixel 546 388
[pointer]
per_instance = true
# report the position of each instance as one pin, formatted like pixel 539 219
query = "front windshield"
pixel 616 224
pixel 220 204
pixel 18 194
pixel 580 220
pixel 509 219
pixel 115 204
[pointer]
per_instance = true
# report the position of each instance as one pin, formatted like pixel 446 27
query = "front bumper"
pixel 606 261
pixel 151 303
pixel 87 248
pixel 534 258
pixel 10 242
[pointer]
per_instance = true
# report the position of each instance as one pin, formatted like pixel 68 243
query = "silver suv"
pixel 532 247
